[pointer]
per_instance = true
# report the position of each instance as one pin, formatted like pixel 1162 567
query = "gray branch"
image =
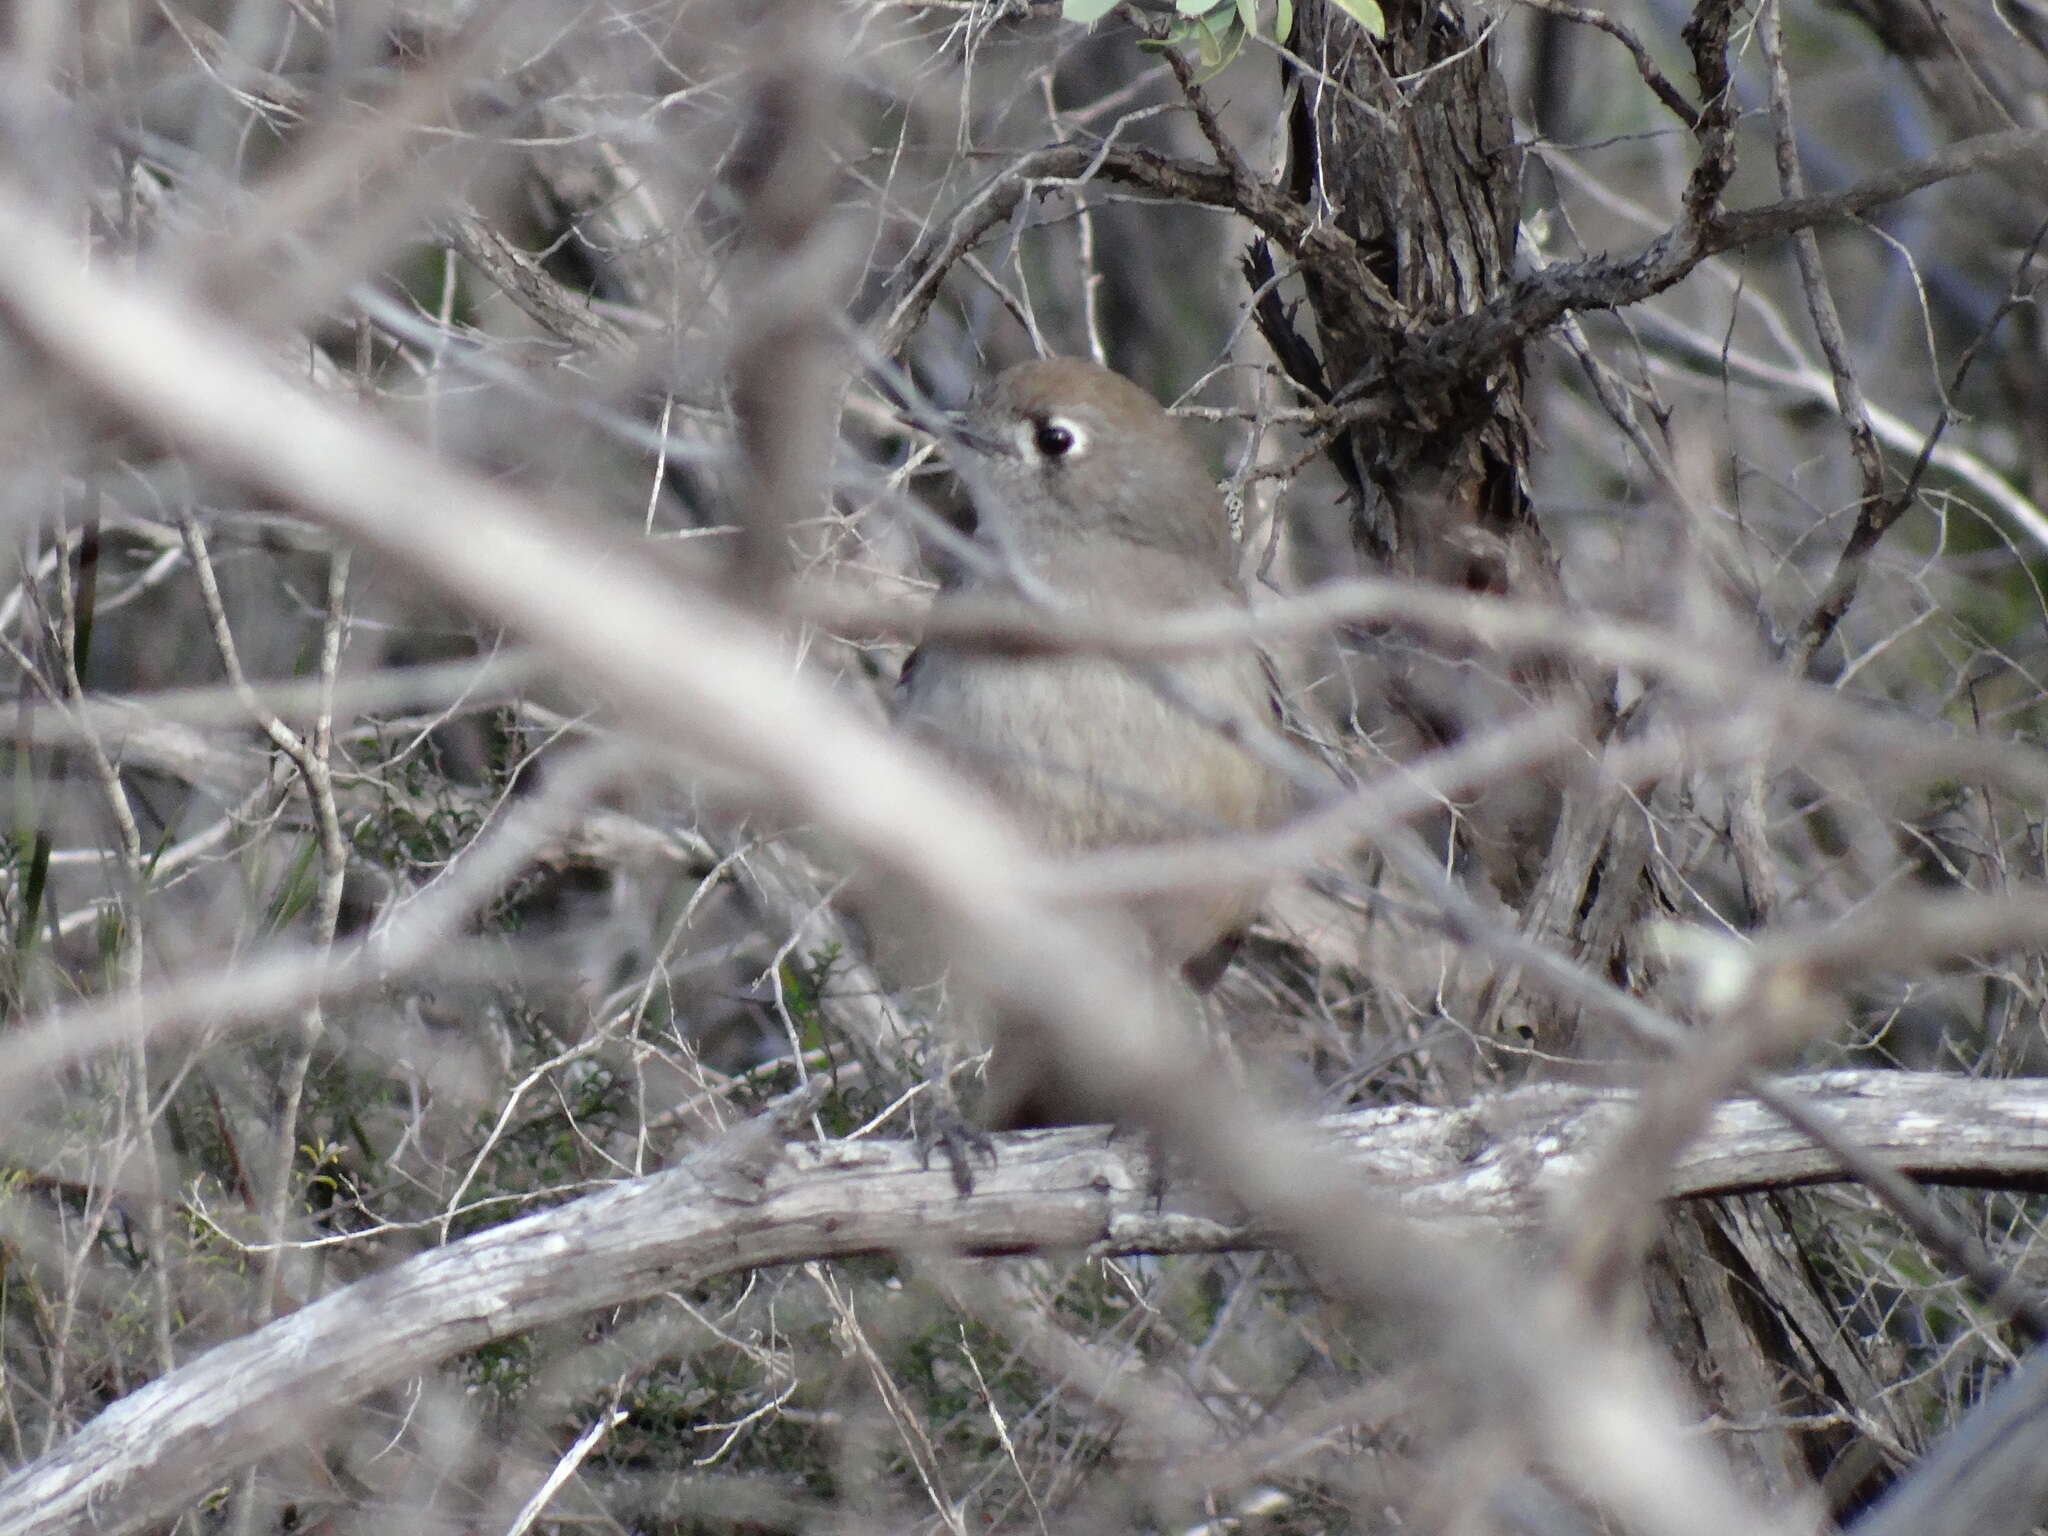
pixel 748 1202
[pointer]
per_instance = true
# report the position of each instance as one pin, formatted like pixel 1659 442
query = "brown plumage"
pixel 1085 485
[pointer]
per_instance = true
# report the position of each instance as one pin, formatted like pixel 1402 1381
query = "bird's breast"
pixel 1090 755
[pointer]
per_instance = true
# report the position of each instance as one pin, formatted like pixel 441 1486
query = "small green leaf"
pixel 1248 15
pixel 1218 39
pixel 1367 14
pixel 1197 7
pixel 1087 12
pixel 1283 21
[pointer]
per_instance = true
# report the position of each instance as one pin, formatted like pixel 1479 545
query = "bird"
pixel 1087 493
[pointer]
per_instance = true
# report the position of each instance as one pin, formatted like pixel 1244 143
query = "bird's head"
pixel 1061 450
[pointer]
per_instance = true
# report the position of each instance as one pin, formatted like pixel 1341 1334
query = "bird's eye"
pixel 1054 439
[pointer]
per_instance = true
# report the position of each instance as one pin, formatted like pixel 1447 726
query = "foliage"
pixel 1217 29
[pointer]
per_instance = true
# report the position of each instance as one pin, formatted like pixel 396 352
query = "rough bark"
pixel 750 1200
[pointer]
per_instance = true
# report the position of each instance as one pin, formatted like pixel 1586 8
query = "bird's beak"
pixel 955 430
pixel 961 432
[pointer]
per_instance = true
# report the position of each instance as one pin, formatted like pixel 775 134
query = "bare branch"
pixel 749 1202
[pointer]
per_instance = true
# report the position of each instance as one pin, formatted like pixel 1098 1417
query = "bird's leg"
pixel 1154 1145
pixel 944 1127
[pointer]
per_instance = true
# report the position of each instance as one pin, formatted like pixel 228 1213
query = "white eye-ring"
pixel 1055 437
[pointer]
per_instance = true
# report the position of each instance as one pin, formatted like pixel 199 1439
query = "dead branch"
pixel 750 1201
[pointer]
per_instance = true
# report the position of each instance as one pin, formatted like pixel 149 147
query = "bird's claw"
pixel 961 1141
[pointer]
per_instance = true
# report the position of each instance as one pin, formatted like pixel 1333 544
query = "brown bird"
pixel 1086 491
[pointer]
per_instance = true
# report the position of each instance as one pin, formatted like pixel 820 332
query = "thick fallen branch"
pixel 750 1201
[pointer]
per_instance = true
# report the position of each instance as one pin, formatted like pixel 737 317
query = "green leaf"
pixel 1198 7
pixel 1367 14
pixel 1217 43
pixel 1283 20
pixel 1087 12
pixel 1248 15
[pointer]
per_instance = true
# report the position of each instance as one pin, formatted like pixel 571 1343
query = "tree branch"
pixel 1467 346
pixel 1538 302
pixel 747 1201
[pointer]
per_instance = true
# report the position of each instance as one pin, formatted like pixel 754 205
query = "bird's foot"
pixel 948 1131
pixel 1155 1161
